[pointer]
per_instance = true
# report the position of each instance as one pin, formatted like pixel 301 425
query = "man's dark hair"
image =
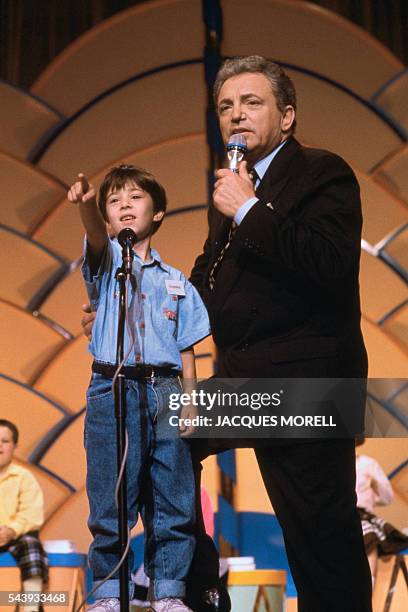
pixel 281 84
pixel 11 427
pixel 119 176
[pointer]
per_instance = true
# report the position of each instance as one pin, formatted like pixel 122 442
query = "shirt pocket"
pixel 169 313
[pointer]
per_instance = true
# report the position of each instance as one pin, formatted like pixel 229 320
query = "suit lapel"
pixel 277 175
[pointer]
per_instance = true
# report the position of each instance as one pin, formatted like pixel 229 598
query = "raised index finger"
pixel 84 182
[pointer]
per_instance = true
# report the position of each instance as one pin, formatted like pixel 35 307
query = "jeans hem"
pixel 167 588
pixel 111 588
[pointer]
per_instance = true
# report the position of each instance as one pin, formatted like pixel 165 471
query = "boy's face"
pixel 131 207
pixel 7 446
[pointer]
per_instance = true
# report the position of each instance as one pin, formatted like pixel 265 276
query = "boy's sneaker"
pixel 108 604
pixel 170 604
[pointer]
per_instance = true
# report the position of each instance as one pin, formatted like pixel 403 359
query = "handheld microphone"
pixel 127 238
pixel 236 149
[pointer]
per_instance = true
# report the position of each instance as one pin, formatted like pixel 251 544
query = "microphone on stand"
pixel 236 150
pixel 127 238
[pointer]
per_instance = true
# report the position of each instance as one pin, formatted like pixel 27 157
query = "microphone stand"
pixel 120 414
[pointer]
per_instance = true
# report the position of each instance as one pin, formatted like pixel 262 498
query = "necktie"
pixel 253 176
pixel 217 262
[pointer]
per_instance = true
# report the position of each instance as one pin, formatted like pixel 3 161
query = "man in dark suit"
pixel 279 275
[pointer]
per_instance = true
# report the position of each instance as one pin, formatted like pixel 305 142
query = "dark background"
pixel 33 32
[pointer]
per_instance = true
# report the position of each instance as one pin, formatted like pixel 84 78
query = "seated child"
pixel 21 515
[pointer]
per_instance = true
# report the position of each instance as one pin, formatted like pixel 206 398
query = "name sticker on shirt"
pixel 175 287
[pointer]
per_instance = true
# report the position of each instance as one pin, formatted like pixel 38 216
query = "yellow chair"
pixel 257 590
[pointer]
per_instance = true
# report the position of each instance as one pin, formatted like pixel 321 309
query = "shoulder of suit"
pixel 314 156
pixel 320 163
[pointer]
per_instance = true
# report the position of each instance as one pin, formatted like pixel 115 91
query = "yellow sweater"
pixel 21 500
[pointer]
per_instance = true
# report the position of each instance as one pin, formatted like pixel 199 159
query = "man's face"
pixel 247 105
pixel 131 207
pixel 7 447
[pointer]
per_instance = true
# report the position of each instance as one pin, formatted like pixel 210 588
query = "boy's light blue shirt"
pixel 163 323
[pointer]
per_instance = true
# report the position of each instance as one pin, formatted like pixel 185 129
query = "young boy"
pixel 21 515
pixel 167 317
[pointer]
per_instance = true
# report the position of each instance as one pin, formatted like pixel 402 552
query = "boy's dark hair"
pixel 11 427
pixel 117 178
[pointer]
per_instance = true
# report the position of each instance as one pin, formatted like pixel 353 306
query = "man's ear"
pixel 158 216
pixel 288 117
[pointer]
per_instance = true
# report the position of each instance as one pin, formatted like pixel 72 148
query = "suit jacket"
pixel 286 299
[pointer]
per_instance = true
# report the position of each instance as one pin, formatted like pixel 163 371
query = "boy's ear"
pixel 158 216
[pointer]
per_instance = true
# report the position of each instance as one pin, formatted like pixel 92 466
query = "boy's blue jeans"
pixel 160 484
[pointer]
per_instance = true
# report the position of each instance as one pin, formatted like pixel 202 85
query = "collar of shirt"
pixel 154 259
pixel 262 165
pixel 11 470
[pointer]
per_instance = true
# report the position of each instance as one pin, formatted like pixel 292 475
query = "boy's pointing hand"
pixel 81 191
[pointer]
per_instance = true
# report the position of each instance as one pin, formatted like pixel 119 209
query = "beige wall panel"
pixel 25 268
pixel 394 100
pixel 64 304
pixel 251 493
pixel 386 359
pixel 62 231
pixel 128 43
pixel 302 33
pixel 381 289
pixel 205 367
pixel 181 237
pixel 69 522
pixel 386 389
pixel 24 121
pixel 398 247
pixel 66 378
pixel 32 414
pixel 319 102
pixel 54 492
pixel 26 194
pixel 179 164
pixel 380 423
pixel 142 113
pixel 27 343
pixel 397 326
pixel 382 211
pixel 393 174
pixel 66 456
pixel 402 401
pixel 400 483
pixel 389 453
